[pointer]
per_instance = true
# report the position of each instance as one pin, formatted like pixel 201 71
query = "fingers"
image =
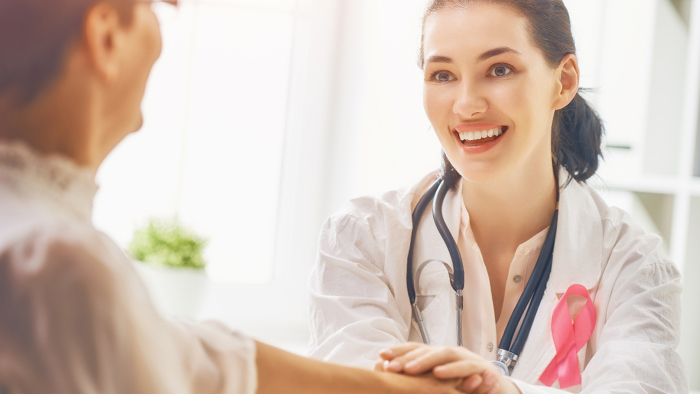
pixel 437 358
pixel 471 383
pixel 399 350
pixel 398 364
pixel 379 366
pixel 495 389
pixel 457 369
pixel 489 385
pixel 486 383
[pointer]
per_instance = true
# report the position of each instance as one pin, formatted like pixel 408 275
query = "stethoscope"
pixel 529 302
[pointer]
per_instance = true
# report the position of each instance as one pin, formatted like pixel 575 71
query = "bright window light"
pixel 211 147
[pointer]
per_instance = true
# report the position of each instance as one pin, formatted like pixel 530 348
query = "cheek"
pixel 524 101
pixel 155 41
pixel 150 41
pixel 512 97
pixel 438 103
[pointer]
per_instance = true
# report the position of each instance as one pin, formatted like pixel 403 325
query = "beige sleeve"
pixel 76 319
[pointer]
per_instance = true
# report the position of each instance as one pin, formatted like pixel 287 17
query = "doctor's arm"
pixel 354 312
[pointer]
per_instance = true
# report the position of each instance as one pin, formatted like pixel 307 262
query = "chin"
pixel 481 171
pixel 138 124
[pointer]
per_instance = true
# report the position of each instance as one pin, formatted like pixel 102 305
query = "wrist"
pixel 388 383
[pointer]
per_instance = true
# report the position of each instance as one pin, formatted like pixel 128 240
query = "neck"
pixel 506 213
pixel 59 122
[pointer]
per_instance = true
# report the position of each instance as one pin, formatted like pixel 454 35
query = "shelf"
pixel 690 322
pixel 695 187
pixel 657 184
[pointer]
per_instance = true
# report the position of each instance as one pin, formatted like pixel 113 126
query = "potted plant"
pixel 169 259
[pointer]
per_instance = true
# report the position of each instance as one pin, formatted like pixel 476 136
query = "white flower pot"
pixel 176 292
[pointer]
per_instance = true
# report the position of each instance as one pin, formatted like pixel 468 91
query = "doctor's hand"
pixel 479 376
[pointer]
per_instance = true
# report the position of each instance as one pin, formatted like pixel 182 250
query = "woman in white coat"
pixel 501 91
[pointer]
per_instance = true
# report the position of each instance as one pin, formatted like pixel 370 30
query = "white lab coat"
pixel 359 301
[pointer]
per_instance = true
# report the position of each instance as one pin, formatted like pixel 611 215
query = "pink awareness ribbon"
pixel 569 338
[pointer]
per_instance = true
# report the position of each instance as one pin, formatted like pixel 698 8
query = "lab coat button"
pixel 517 278
pixel 490 346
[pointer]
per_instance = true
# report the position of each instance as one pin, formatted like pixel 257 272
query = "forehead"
pixel 468 31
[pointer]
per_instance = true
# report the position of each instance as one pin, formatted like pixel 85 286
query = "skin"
pixel 516 88
pixel 95 100
pixel 93 104
pixel 300 375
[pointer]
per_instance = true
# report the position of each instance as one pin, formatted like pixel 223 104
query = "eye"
pixel 441 76
pixel 500 71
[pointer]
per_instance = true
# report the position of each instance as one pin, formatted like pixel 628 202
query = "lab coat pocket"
pixel 440 319
pixel 435 299
pixel 424 301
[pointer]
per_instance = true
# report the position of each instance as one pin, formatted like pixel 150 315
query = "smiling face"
pixel 489 92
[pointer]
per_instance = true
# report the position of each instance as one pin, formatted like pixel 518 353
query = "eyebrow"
pixel 486 55
pixel 496 52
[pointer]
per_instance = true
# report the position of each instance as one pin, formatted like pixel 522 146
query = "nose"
pixel 469 101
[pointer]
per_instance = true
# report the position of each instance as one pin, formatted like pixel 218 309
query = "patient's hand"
pixel 479 376
pixel 424 384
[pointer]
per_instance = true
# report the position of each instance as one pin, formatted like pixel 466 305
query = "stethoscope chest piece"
pixel 505 362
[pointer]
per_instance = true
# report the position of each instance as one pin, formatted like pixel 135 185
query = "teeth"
pixel 477 135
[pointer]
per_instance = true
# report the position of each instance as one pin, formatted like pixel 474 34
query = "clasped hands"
pixel 474 374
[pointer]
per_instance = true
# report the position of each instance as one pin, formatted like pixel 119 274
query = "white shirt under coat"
pixel 359 301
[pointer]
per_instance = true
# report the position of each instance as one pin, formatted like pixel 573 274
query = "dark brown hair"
pixel 34 38
pixel 577 129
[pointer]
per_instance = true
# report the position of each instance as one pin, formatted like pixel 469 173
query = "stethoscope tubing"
pixel 417 214
pixel 457 280
pixel 532 294
pixel 526 307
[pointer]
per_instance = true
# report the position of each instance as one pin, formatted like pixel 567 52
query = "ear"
pixel 567 81
pixel 103 39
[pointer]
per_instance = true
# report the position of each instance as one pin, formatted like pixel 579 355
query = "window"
pixel 237 114
pixel 211 146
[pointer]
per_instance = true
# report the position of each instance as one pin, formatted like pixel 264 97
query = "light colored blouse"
pixel 481 332
pixel 74 316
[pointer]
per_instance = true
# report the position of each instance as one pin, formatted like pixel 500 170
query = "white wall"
pixel 380 136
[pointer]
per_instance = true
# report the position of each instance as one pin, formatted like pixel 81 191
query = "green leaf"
pixel 168 243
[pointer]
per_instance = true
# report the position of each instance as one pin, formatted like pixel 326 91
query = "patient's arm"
pixel 283 372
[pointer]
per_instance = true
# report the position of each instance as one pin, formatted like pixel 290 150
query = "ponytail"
pixel 576 137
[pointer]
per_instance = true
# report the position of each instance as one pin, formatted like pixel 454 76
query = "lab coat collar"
pixel 577 256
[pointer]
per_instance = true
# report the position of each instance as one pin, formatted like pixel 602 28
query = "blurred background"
pixel 263 117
